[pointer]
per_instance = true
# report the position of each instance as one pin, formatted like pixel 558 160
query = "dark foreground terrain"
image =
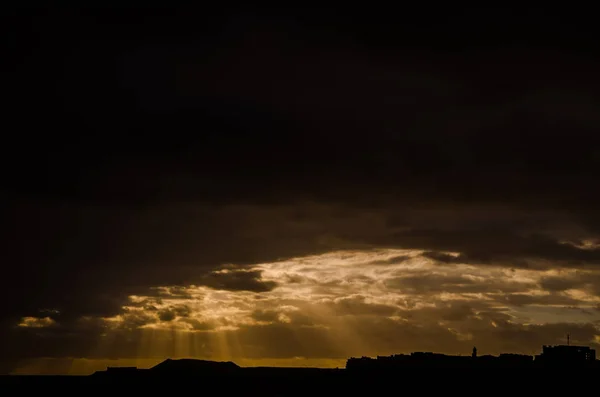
pixel 299 381
pixel 415 373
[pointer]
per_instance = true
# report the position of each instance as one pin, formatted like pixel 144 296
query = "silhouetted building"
pixel 566 354
pixel 551 355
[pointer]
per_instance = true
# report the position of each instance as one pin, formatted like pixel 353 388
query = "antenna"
pixel 568 339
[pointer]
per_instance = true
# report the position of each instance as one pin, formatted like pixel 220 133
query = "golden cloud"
pixel 325 308
pixel 396 285
pixel 36 322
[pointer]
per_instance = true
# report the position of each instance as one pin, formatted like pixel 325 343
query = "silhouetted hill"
pixel 170 367
pixel 194 366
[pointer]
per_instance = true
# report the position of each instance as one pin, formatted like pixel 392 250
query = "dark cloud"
pixel 238 280
pixel 391 261
pixel 458 313
pixel 265 315
pixel 429 283
pixel 436 283
pixel 166 315
pixel 560 283
pixel 357 306
pixel 136 320
pixel 588 282
pixel 525 299
pixel 199 325
pixel 498 247
pixel 171 292
pixel 442 257
pixel 184 143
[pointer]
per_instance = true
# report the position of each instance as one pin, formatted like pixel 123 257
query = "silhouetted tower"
pixel 568 339
pixel 474 354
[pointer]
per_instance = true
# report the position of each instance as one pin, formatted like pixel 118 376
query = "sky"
pixel 295 187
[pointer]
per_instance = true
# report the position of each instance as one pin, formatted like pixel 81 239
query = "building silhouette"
pixel 561 355
pixel 566 354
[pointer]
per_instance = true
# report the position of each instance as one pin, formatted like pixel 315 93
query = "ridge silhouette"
pixel 551 356
pixel 188 365
pixel 529 373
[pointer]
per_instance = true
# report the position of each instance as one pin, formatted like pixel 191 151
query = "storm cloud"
pixel 272 186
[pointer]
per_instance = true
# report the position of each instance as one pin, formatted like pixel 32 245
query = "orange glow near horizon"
pixel 325 308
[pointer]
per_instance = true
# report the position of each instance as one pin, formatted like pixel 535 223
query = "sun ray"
pixel 192 343
pixel 237 347
pixel 146 342
pixel 182 346
pixel 341 334
pixel 220 342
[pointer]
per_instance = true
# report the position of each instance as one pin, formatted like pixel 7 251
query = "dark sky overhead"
pixel 293 187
